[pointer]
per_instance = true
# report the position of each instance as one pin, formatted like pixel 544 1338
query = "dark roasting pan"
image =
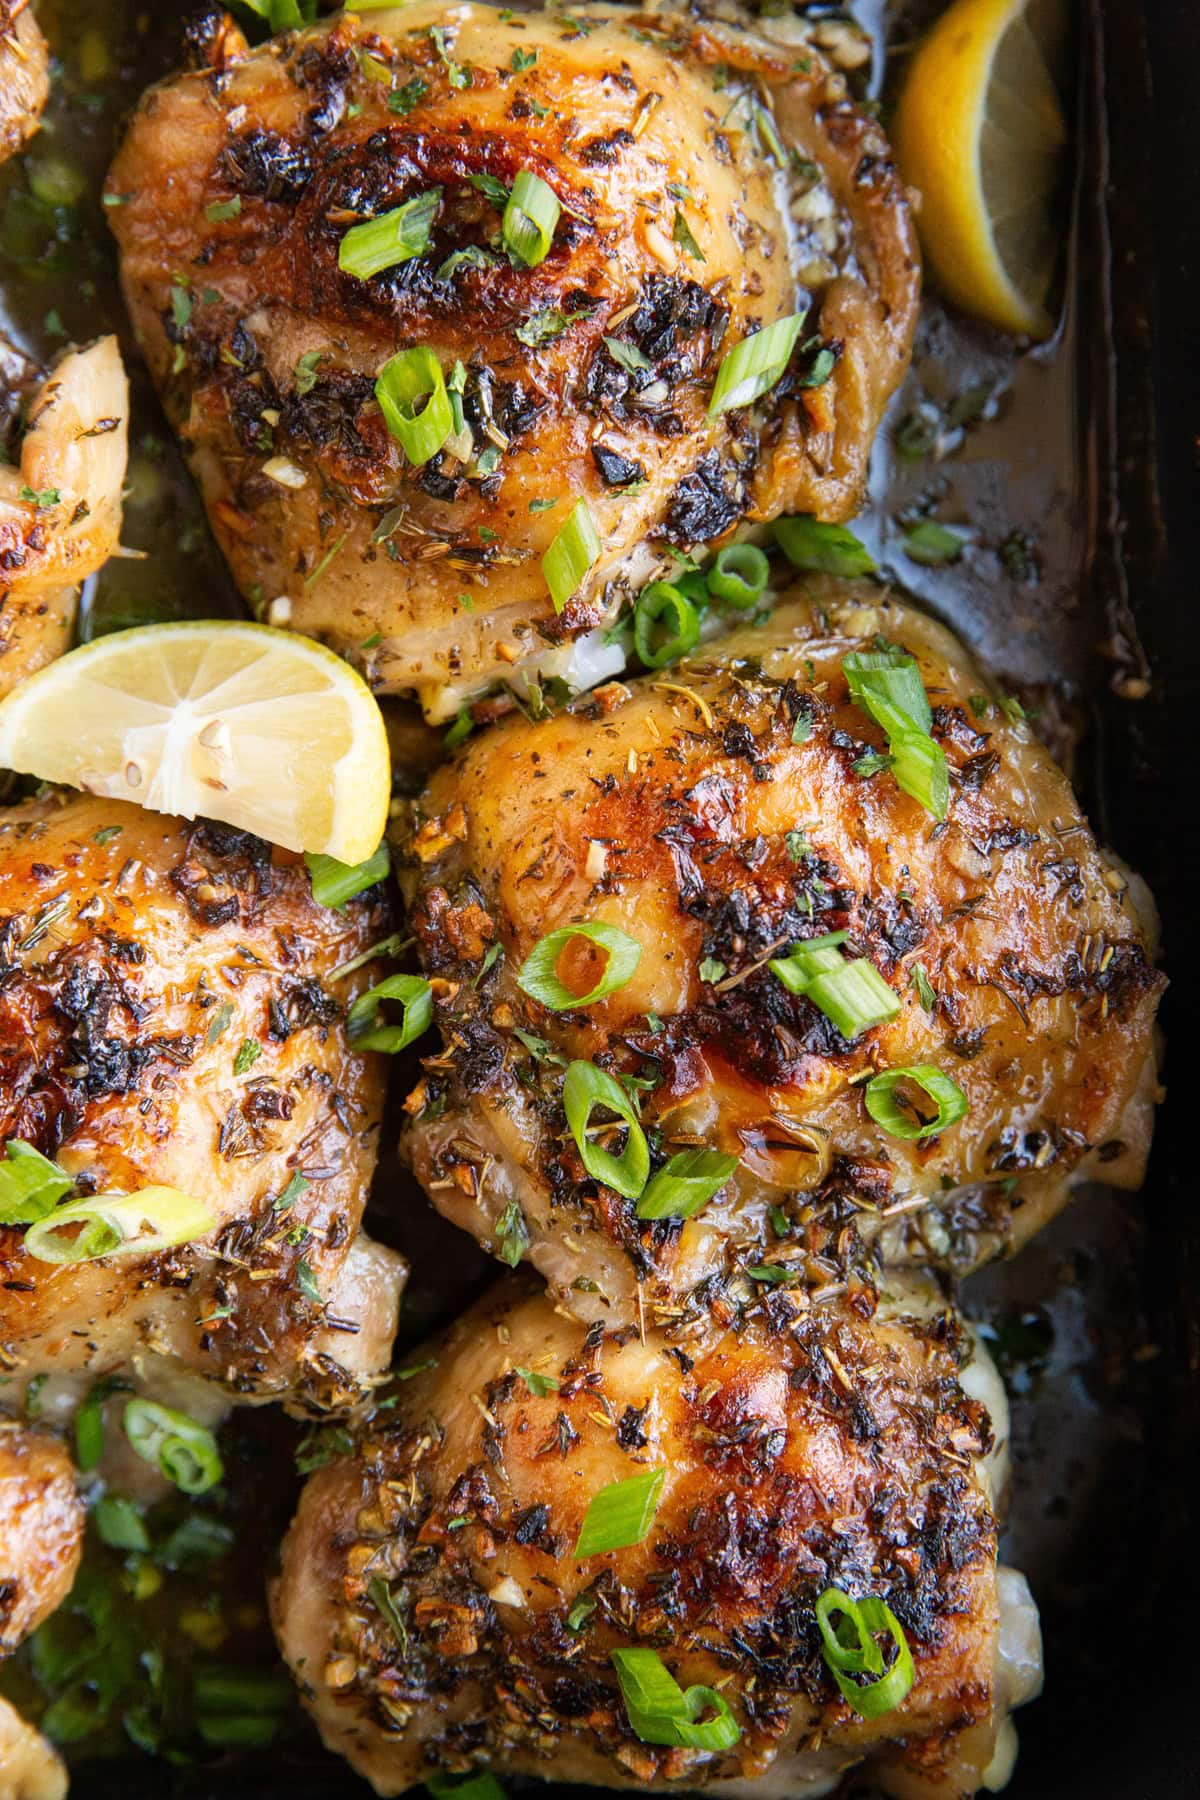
pixel 1107 1407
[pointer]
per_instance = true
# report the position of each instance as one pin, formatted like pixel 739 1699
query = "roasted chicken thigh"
pixel 60 502
pixel 716 816
pixel 172 1016
pixel 707 181
pixel 24 75
pixel 41 1538
pixel 437 1617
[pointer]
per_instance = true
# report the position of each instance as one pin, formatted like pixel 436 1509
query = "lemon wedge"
pixel 261 729
pixel 979 131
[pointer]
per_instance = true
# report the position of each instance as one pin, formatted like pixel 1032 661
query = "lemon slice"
pixel 262 729
pixel 979 130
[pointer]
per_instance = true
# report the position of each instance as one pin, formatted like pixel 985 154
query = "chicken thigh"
pixel 437 1616
pixel 716 817
pixel 172 1017
pixel 60 504
pixel 707 181
pixel 24 75
pixel 41 1539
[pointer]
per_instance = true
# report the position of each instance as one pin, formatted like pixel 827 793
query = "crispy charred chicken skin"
pixel 716 815
pixel 586 376
pixel 436 1616
pixel 170 1016
pixel 60 505
pixel 24 75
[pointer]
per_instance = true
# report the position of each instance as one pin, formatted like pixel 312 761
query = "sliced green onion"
pixel 804 962
pixel 832 550
pixel 661 1712
pixel 530 215
pixel 919 768
pixel 739 575
pixel 405 380
pixel 334 882
pixel 185 1451
pixel 574 547
pixel 539 980
pixel 902 1114
pixel 682 630
pixel 584 1088
pixel 929 543
pixel 687 1183
pixel 620 1514
pixel 753 367
pixel 156 1218
pixel 887 681
pixel 887 685
pixel 394 237
pixel 863 1657
pixel 120 1525
pixel 854 997
pixel 30 1184
pixel 482 1786
pixel 362 1021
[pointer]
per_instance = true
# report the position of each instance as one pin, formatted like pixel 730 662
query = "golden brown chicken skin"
pixel 24 75
pixel 679 235
pixel 715 816
pixel 41 1539
pixel 41 1530
pixel 436 1617
pixel 60 501
pixel 171 1015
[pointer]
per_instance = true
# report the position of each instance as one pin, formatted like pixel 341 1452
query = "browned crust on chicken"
pixel 169 1015
pixel 24 75
pixel 41 1530
pixel 722 840
pixel 623 114
pixel 806 1447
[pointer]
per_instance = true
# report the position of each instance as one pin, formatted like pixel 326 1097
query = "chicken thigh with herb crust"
pixel 436 1616
pixel 172 1016
pixel 716 816
pixel 24 75
pixel 60 502
pixel 712 182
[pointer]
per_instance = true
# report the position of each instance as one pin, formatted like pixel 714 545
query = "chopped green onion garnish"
pixel 30 1185
pixel 574 547
pixel 156 1218
pixel 884 682
pixel 482 1786
pixel 887 685
pixel 937 1103
pixel 404 380
pixel 659 1710
pixel 362 1021
pixel 394 237
pixel 853 995
pixel 682 631
pixel 539 980
pixel 584 1088
pixel 687 1183
pixel 830 549
pixel 863 1618
pixel 930 543
pixel 739 575
pixel 120 1525
pixel 753 367
pixel 620 1514
pixel 530 216
pixel 334 882
pixel 185 1451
